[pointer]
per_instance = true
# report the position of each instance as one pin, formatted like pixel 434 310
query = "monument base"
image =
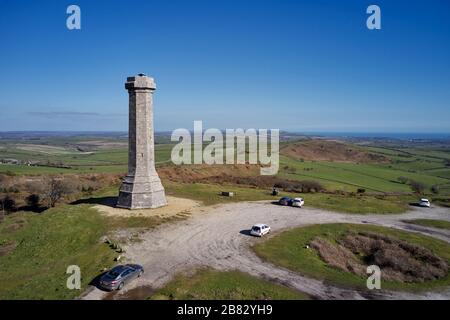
pixel 139 193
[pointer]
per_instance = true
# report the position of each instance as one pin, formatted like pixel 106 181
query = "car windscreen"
pixel 255 228
pixel 113 274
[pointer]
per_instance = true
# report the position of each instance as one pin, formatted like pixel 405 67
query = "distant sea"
pixel 388 135
pixel 371 135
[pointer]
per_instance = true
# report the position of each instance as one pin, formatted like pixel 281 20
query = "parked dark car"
pixel 285 201
pixel 120 275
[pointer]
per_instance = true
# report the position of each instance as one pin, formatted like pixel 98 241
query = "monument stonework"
pixel 141 188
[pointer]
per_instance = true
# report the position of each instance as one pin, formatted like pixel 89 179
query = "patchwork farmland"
pixel 342 180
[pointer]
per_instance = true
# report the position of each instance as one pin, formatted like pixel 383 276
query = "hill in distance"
pixel 326 150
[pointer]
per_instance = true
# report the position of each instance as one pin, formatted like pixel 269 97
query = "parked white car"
pixel 260 229
pixel 297 202
pixel 424 203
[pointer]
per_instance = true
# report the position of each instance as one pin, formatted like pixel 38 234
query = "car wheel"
pixel 120 286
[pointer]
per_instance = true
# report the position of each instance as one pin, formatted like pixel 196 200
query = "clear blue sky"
pixel 294 65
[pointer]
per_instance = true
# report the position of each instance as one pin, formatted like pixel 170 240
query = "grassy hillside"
pixel 209 194
pixel 323 150
pixel 350 176
pixel 36 249
pixel 45 245
pixel 229 285
pixel 336 165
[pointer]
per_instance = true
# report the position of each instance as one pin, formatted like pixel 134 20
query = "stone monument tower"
pixel 141 188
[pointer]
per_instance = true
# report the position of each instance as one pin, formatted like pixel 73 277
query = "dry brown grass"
pixel 337 256
pixel 398 260
pixel 197 173
pixel 19 187
pixel 14 226
pixel 247 175
pixel 242 174
pixel 7 248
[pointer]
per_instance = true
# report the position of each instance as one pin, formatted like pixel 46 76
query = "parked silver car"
pixel 120 275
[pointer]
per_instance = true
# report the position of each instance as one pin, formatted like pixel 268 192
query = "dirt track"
pixel 219 239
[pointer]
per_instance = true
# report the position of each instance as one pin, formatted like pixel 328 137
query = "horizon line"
pixel 318 132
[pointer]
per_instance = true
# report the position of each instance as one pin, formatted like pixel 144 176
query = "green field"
pixel 288 249
pixel 111 160
pixel 43 245
pixel 351 176
pixel 209 194
pixel 229 285
pixel 46 245
pixel 82 154
pixel 107 155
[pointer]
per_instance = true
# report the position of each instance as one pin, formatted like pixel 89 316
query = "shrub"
pixel 13 190
pixel 283 185
pixel 447 162
pixel 435 189
pixel 33 200
pixel 290 169
pixel 35 187
pixel 10 173
pixel 417 186
pixel 312 186
pixel 55 189
pixel 8 204
pixel 403 180
pixel 361 190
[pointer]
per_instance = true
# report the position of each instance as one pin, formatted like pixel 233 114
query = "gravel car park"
pixel 212 240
